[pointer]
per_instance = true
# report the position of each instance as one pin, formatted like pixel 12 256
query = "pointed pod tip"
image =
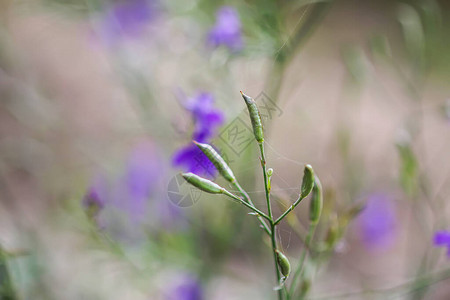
pixel 247 98
pixel 185 175
pixel 203 183
pixel 202 146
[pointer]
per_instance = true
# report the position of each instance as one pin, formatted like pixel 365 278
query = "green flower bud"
pixel 315 206
pixel 269 173
pixel 217 161
pixel 307 181
pixel 203 184
pixel 283 263
pixel 255 118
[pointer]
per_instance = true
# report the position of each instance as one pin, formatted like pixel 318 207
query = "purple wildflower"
pixel 127 202
pixel 128 19
pixel 206 117
pixel 206 120
pixel 377 222
pixel 142 174
pixel 186 288
pixel 442 239
pixel 227 29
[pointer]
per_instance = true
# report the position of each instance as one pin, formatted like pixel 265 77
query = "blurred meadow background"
pixel 100 101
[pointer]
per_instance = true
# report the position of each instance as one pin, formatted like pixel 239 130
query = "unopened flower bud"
pixel 203 184
pixel 255 118
pixel 307 181
pixel 283 263
pixel 315 206
pixel 269 173
pixel 217 161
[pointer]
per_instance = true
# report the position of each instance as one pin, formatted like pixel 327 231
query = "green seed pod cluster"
pixel 308 181
pixel 283 263
pixel 255 118
pixel 203 184
pixel 217 161
pixel 315 206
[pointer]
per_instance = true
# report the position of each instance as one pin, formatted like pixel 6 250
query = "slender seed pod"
pixel 307 181
pixel 283 263
pixel 315 206
pixel 255 118
pixel 217 161
pixel 203 184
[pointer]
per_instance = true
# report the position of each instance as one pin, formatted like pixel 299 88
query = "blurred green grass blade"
pixel 6 287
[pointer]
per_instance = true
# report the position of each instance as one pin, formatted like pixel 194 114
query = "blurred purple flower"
pixel 128 19
pixel 227 29
pixel 194 160
pixel 377 222
pixel 206 117
pixel 442 239
pixel 126 201
pixel 142 174
pixel 206 120
pixel 186 288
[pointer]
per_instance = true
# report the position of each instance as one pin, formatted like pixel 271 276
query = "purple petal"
pixel 194 160
pixel 142 170
pixel 128 19
pixel 186 288
pixel 227 30
pixel 441 238
pixel 377 223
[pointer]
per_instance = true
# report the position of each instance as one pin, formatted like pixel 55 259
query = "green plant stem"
pixel 298 271
pixel 6 285
pixel 269 211
pixel 249 201
pixel 260 213
pixel 291 208
pixel 277 271
pixel 266 185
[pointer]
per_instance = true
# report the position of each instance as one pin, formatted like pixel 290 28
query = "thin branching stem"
pixel 260 213
pixel 291 208
pixel 247 198
pixel 272 223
